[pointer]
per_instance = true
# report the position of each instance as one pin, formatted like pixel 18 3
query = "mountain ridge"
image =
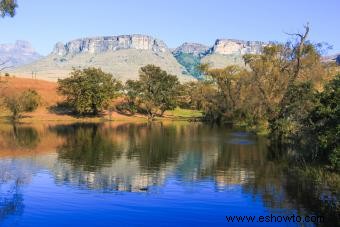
pixel 123 55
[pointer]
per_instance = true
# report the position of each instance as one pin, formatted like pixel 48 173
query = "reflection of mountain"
pixel 133 157
pixel 136 157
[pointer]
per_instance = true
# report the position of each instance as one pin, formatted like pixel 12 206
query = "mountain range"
pixel 123 56
pixel 17 54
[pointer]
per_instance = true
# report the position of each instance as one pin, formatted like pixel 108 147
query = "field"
pixel 50 97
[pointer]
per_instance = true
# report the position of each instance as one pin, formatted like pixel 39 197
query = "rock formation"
pixel 195 49
pixel 122 56
pixel 109 43
pixel 234 46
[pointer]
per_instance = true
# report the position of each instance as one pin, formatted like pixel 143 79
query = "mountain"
pixel 123 56
pixel 189 56
pixel 120 55
pixel 332 58
pixel 224 52
pixel 17 54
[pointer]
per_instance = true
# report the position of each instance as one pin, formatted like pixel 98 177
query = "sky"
pixel 46 22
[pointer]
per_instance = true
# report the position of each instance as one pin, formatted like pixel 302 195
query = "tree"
pixel 156 90
pixel 229 82
pixel 87 91
pixel 7 8
pixel 133 90
pixel 27 101
pixel 324 121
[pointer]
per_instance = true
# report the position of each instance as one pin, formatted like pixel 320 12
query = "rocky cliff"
pixel 109 43
pixel 224 52
pixel 19 53
pixel 234 46
pixel 122 56
pixel 195 49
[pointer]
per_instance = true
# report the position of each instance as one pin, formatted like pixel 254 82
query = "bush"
pixel 27 101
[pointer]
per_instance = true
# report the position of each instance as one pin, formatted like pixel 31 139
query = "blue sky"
pixel 44 23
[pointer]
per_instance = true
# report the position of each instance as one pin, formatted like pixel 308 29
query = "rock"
pixel 234 46
pixel 109 43
pixel 122 56
pixel 195 49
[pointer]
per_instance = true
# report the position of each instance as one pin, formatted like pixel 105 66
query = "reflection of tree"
pixel 19 136
pixel 154 144
pixel 86 146
pixel 12 203
pixel 132 157
pixel 11 198
pixel 280 187
pixel 26 137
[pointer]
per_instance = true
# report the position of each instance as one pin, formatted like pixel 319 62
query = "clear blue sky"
pixel 45 22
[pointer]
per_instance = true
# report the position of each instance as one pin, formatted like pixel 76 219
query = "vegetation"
pixel 89 90
pixel 324 123
pixel 155 92
pixel 27 101
pixel 7 8
pixel 190 63
pixel 280 92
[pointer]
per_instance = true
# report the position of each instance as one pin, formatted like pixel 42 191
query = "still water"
pixel 159 174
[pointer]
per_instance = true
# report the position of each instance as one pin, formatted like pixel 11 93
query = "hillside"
pixel 224 52
pixel 120 55
pixel 47 90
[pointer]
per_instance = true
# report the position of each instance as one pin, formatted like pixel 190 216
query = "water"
pixel 164 174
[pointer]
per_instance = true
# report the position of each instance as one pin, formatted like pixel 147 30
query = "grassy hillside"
pixel 123 64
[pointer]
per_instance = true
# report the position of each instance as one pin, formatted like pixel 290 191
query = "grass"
pixel 183 113
pixel 49 95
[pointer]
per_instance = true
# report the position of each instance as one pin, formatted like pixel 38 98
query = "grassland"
pixel 48 92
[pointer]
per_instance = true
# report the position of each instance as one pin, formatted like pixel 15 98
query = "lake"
pixel 157 174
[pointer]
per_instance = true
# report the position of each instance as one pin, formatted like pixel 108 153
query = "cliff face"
pixel 19 53
pixel 233 46
pixel 122 56
pixel 109 43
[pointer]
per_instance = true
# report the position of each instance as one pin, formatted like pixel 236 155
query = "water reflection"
pixel 11 183
pixel 140 157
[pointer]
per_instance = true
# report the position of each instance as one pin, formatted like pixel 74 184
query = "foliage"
pixel 190 63
pixel 325 123
pixel 155 92
pixel 299 102
pixel 7 7
pixel 89 90
pixel 27 101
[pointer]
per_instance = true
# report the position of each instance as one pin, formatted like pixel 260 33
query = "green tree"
pixel 325 123
pixel 27 101
pixel 7 8
pixel 157 90
pixel 133 90
pixel 89 90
